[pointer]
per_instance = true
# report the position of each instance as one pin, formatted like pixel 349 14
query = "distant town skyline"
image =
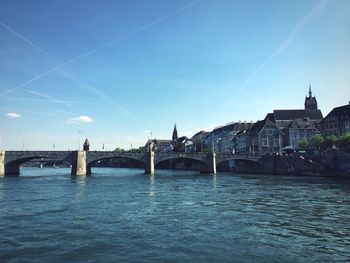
pixel 119 72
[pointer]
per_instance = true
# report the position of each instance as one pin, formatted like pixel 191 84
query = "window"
pixel 347 126
pixel 265 142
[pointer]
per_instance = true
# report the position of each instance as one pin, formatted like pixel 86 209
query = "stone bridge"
pixel 82 161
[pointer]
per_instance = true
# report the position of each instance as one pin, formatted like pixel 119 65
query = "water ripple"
pixel 124 215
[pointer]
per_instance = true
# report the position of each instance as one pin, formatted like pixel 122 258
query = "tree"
pixel 138 150
pixel 207 150
pixel 344 140
pixel 119 150
pixel 331 140
pixel 317 140
pixel 303 144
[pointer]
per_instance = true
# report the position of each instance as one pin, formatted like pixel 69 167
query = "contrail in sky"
pixel 26 40
pixel 285 43
pixel 92 51
pixel 100 93
pixel 50 98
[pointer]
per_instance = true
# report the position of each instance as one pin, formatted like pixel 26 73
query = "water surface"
pixel 175 216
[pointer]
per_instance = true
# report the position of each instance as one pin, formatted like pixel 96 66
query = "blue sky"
pixel 117 69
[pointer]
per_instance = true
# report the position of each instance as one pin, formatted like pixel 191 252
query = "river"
pixel 123 215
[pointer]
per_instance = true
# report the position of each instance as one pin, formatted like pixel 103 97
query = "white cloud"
pixel 84 119
pixel 147 132
pixel 13 115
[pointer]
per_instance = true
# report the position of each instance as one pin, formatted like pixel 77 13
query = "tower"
pixel 174 134
pixel 310 101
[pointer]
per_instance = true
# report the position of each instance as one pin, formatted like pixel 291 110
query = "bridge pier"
pixel 79 163
pixel 149 167
pixel 88 169
pixel 2 163
pixel 211 167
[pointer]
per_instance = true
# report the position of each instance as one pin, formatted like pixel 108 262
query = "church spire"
pixel 310 101
pixel 174 133
pixel 310 92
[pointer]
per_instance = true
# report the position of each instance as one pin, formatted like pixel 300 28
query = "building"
pixel 241 142
pixel 189 146
pixel 174 137
pixel 222 138
pixel 265 137
pixel 228 142
pixel 337 122
pixel 161 146
pixel 179 144
pixel 298 130
pixel 310 115
pixel 198 139
pixel 310 101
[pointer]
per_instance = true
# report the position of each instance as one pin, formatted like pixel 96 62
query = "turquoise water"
pixel 123 215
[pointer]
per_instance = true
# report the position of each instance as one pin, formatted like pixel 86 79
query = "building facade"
pixel 300 129
pixel 265 137
pixel 307 119
pixel 337 122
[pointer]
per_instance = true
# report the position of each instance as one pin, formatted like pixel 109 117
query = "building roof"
pixel 271 117
pixel 240 126
pixel 182 139
pixel 284 115
pixel 256 128
pixel 302 124
pixel 199 135
pixel 226 127
pixel 343 111
pixel 340 110
pixel 159 142
pixel 233 127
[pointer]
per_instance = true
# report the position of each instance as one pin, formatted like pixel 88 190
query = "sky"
pixel 118 72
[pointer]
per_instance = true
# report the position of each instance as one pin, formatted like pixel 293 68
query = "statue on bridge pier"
pixel 86 146
pixel 151 146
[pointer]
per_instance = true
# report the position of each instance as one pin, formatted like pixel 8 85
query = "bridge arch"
pixel 13 167
pixel 95 160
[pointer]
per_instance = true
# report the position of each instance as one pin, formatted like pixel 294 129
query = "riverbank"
pixel 332 164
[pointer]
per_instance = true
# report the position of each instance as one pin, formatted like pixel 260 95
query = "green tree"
pixel 138 150
pixel 303 144
pixel 119 149
pixel 317 140
pixel 331 140
pixel 344 140
pixel 207 150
